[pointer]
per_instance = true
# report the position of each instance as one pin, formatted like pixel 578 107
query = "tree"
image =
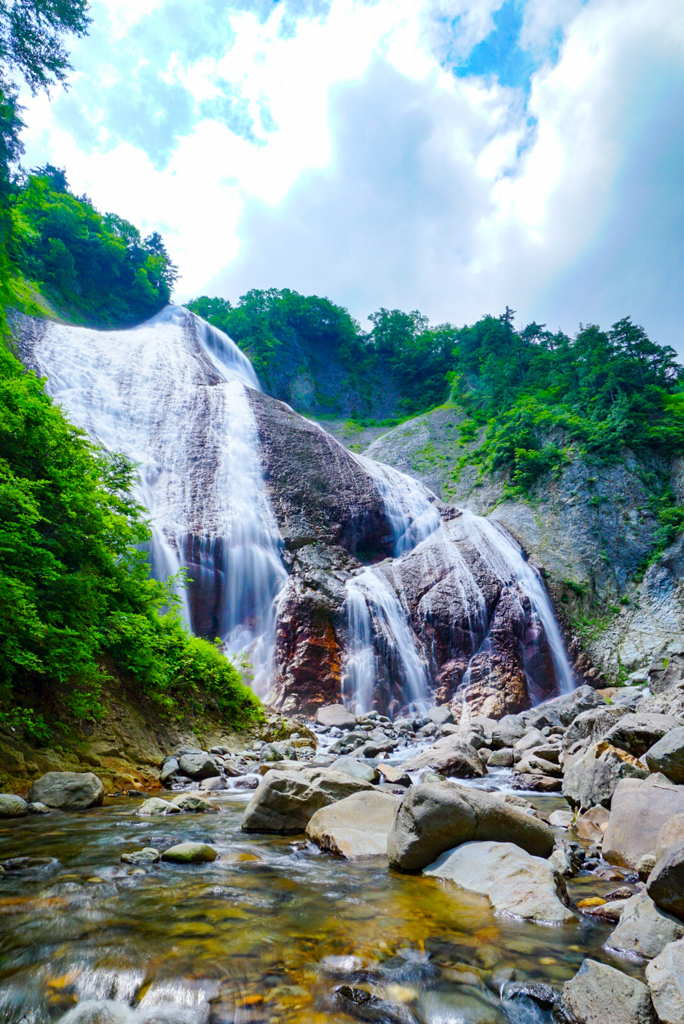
pixel 31 34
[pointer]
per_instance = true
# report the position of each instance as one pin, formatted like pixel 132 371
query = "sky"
pixel 451 156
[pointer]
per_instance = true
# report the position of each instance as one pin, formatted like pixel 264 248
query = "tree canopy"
pixel 31 38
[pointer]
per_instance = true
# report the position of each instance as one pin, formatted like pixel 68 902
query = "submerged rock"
pixel 433 818
pixel 148 855
pixel 190 853
pixel 286 801
pixel 514 881
pixel 355 827
pixel 68 791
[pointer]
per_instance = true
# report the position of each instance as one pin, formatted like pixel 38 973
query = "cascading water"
pixel 171 395
pixel 388 652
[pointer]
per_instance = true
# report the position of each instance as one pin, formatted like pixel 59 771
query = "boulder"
pixel 667 755
pixel 533 738
pixel 393 774
pixel 157 806
pixel 190 803
pixel 436 817
pixel 563 710
pixel 148 855
pixel 286 801
pixel 170 771
pixel 592 779
pixel 441 715
pixel 190 853
pixel 599 994
pixel 507 731
pixel 561 818
pixel 532 764
pixel 665 883
pixel 644 929
pixel 515 882
pixel 671 832
pixel 356 769
pixel 335 715
pixel 636 733
pixel 638 812
pixel 591 726
pixel 198 766
pixel 449 756
pixel 355 827
pixel 12 806
pixel 665 977
pixel 215 785
pixel 501 758
pixel 69 791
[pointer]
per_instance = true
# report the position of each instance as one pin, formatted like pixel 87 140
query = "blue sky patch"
pixel 500 54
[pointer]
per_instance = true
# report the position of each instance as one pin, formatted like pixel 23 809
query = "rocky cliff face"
pixel 591 531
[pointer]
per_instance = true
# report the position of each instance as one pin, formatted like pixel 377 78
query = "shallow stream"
pixel 274 931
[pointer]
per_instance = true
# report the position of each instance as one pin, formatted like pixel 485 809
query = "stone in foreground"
pixel 593 778
pixel 68 791
pixel 12 806
pixel 286 801
pixel 435 817
pixel 355 827
pixel 667 755
pixel 598 994
pixel 190 853
pixel 638 812
pixel 644 929
pixel 335 715
pixel 665 977
pixel 666 882
pixel 514 882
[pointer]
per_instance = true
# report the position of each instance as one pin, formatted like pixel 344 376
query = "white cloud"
pixel 333 150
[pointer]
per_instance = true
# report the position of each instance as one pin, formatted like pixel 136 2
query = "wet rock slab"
pixel 355 827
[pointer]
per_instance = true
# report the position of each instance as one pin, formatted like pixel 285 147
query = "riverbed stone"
pixel 591 726
pixel 441 715
pixel 148 855
pixel 12 806
pixel 599 994
pixel 515 882
pixel 190 803
pixel 667 755
pixel 638 812
pixel 170 771
pixel 501 758
pixel 644 929
pixel 665 883
pixel 357 769
pixel 355 827
pixel 665 977
pixel 436 817
pixel 593 778
pixel 38 808
pixel 286 801
pixel 394 774
pixel 190 853
pixel 450 756
pixel 636 733
pixel 155 805
pixel 198 766
pixel 68 791
pixel 335 715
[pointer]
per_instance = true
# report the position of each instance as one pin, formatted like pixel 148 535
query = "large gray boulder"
pixel 335 715
pixel 355 827
pixel 507 732
pixel 636 733
pixel 665 977
pixel 286 801
pixel 665 884
pixel 591 726
pixel 515 882
pixel 592 779
pixel 357 769
pixel 12 806
pixel 435 817
pixel 69 791
pixel 598 994
pixel 644 929
pixel 198 766
pixel 563 710
pixel 451 756
pixel 667 755
pixel 638 812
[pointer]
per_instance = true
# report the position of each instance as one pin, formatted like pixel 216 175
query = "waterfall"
pixel 171 395
pixel 387 652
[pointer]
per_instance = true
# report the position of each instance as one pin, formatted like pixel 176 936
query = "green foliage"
pixel 31 38
pixel 270 324
pixel 96 266
pixel 75 592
